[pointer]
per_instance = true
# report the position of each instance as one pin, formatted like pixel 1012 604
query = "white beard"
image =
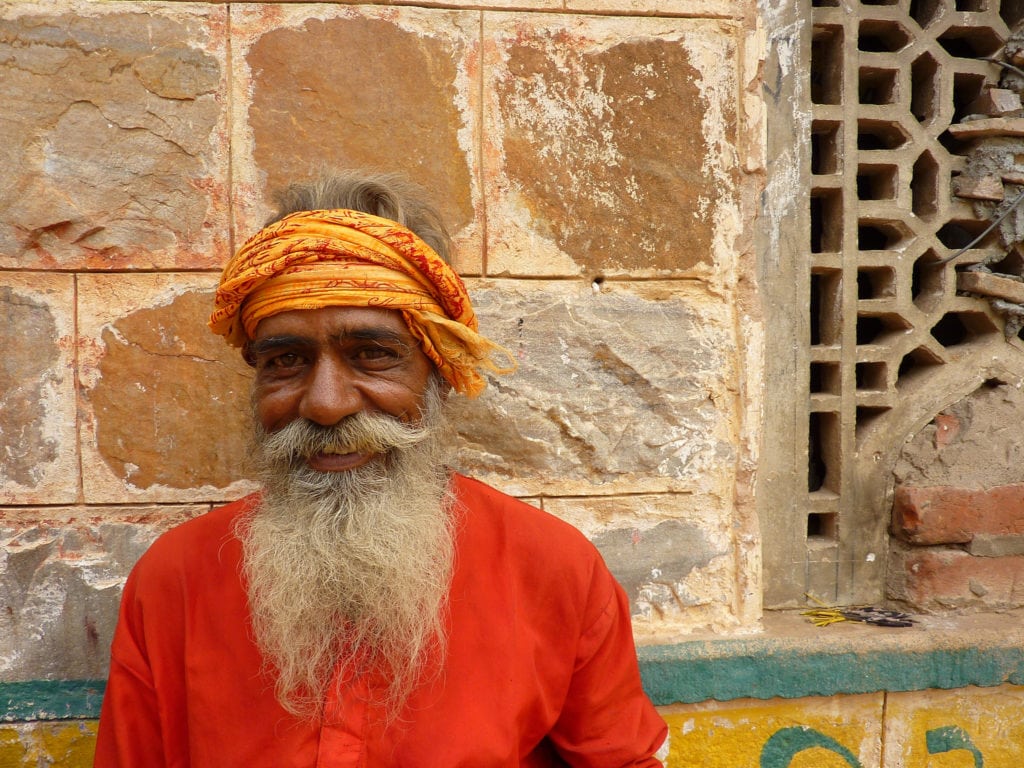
pixel 347 572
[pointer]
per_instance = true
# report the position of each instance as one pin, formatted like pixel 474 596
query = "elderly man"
pixel 369 607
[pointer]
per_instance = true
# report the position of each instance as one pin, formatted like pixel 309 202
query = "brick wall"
pixel 958 507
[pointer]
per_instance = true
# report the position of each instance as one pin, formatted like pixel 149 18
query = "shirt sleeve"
pixel 129 730
pixel 607 720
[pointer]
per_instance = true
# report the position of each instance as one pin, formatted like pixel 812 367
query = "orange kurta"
pixel 541 668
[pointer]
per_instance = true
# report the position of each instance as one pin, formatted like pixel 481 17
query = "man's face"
pixel 326 364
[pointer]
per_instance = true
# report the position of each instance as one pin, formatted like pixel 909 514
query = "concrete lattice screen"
pixel 894 335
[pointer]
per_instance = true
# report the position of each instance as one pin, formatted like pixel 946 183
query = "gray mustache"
pixel 361 432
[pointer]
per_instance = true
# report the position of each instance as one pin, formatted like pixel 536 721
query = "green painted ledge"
pixel 679 674
pixel 51 700
pixel 788 658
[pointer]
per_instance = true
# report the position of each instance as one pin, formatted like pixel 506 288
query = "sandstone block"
pixel 38 444
pixel 690 8
pixel 610 146
pixel 61 574
pixel 951 515
pixel 622 390
pixel 393 89
pixel 165 402
pixel 939 579
pixel 670 556
pixel 114 144
pixel 495 5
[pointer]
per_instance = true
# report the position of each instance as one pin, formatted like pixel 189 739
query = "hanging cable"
pixel 1012 207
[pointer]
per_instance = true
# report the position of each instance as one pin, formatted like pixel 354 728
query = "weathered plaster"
pixel 609 152
pixel 122 164
pixel 406 103
pixel 987 448
pixel 38 451
pixel 165 402
pixel 63 745
pixel 621 389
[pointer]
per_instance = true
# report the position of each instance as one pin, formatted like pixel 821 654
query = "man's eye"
pixel 287 360
pixel 375 354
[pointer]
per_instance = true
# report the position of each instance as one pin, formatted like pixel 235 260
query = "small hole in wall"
pixel 916 364
pixel 823 452
pixel 825 378
pixel 871 376
pixel 826 68
pixel 597 283
pixel 825 147
pixel 868 415
pixel 821 525
pixel 1011 11
pixel 880 134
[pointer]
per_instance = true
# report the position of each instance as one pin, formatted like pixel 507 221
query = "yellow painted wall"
pixel 49 745
pixel 964 728
pixel 737 734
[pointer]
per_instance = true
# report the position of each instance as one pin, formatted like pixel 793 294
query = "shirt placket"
pixel 344 732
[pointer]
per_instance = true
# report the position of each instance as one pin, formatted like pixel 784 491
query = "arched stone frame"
pixel 880 450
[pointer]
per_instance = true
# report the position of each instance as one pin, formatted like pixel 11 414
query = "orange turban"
pixel 315 259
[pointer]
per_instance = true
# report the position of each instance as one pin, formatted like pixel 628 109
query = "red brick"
pixel 947 427
pixel 996 102
pixel 992 126
pixel 948 515
pixel 994 286
pixel 941 579
pixel 983 188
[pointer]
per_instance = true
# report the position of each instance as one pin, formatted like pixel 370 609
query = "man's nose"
pixel 331 393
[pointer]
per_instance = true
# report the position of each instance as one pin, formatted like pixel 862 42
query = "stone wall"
pixel 625 183
pixel 599 162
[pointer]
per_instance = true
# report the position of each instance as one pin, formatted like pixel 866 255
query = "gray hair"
pixel 388 195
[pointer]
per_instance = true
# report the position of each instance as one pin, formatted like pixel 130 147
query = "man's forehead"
pixel 357 322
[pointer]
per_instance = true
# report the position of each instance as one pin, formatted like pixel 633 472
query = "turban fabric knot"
pixel 316 259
